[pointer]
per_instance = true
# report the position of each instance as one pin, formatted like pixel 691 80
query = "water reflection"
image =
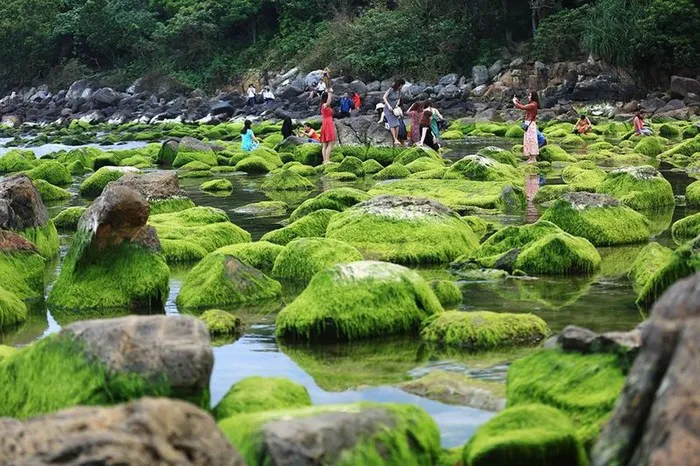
pixel 532 185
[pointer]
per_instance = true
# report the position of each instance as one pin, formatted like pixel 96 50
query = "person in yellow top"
pixel 583 125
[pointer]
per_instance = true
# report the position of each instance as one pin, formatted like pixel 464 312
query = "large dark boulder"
pixel 657 417
pixel 603 87
pixel 21 206
pixel 154 185
pixel 681 86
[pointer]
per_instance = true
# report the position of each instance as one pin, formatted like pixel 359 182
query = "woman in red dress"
pixel 327 126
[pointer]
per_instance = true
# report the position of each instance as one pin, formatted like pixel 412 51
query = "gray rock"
pixel 105 97
pixel 150 431
pixel 517 63
pixel 651 105
pixel 672 105
pixel 414 90
pixel 21 206
pixel 495 69
pixel 480 75
pixel 79 90
pixel 656 417
pixel 540 67
pixel 683 86
pixel 603 88
pixel 313 77
pixel 582 340
pixel 12 121
pixel 221 107
pixel 479 90
pixel 456 389
pixel 290 92
pixel 359 87
pixel 373 86
pixel 153 185
pixel 451 78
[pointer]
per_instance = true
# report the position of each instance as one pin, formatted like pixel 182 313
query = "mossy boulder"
pixel 337 199
pixel 551 192
pixel 171 204
pixel 404 230
pixel 641 188
pixel 287 179
pixel 308 154
pixel 260 254
pixel 256 394
pixel 585 387
pixel 95 183
pixel 52 171
pixel 365 433
pixel 478 168
pixel 358 300
pixel 303 258
pixel 424 164
pixel 341 176
pixel 686 228
pixel 6 352
pixel 371 166
pixel 554 153
pixel 13 311
pixel 67 219
pixel 263 209
pixel 220 323
pixel 483 330
pixel 49 192
pixel 409 155
pixel 114 260
pixel 185 151
pixel 449 294
pixel 452 134
pixel 311 225
pixel 649 260
pixel 599 218
pixel 21 268
pixel 255 165
pixel 515 132
pixel 572 140
pixel 532 434
pixel 352 165
pixel 217 185
pixel 459 195
pixel 15 161
pixel 194 165
pixel 500 155
pixel 669 131
pixel 221 279
pixel 583 176
pixel 478 225
pixel 394 171
pixel 650 146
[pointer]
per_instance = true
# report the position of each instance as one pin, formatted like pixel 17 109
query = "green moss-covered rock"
pixel 585 387
pixel 49 192
pixel 95 183
pixel 409 155
pixel 554 153
pixel 478 225
pixel 682 262
pixel 692 194
pixel 189 152
pixel 206 227
pixel 459 195
pixel 572 140
pixel 67 219
pixel 308 154
pixel 515 132
pixel 220 323
pixel 6 352
pixel 650 146
pixel 52 171
pixel 15 161
pixel 217 185
pixel 195 165
pixel 532 434
pixel 483 330
pixel 358 300
pixel 352 165
pixel 371 166
pixel 337 199
pixel 394 171
pixel 44 238
pixel 341 176
pixel 447 292
pixel 13 311
pixel 366 433
pixel 500 155
pixel 255 165
pixel 257 394
pixel 263 209
pixel 260 254
pixel 686 228
pixel 649 260
pixel 311 225
pixel 221 279
pixel 641 188
pixel 302 258
pixel 599 218
pixel 478 168
pixel 669 131
pixel 452 135
pixel 551 192
pixel 287 179
pixel 169 205
pixel 21 267
pixel 423 164
pixel 404 230
pixel 583 176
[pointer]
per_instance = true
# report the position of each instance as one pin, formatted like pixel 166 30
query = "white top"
pixel 251 91
pixel 321 86
pixel 268 95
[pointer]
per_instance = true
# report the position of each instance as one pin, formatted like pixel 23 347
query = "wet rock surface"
pixel 154 185
pixel 583 340
pixel 21 206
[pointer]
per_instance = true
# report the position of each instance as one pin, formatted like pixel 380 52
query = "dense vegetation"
pixel 206 43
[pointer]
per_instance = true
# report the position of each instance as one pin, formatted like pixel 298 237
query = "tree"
pixel 537 9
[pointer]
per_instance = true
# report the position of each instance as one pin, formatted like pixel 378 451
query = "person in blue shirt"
pixel 346 105
pixel 248 140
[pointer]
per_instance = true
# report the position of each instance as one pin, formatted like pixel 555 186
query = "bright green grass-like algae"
pixel 255 394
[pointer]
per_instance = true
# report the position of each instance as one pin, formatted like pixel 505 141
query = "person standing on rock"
pixel 327 125
pixel 415 112
pixel 248 140
pixel 251 92
pixel 392 108
pixel 530 144
pixel 436 118
pixel 427 137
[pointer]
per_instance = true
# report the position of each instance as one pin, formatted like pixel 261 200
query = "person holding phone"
pixel 531 147
pixel 327 125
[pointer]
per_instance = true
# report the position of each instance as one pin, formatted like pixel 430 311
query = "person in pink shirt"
pixel 639 129
pixel 531 147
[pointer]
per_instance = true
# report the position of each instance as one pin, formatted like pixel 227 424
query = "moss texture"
pixel 125 276
pixel 173 204
pixel 216 185
pixel 483 330
pixel 447 292
pixel 185 156
pixel 411 437
pixel 352 165
pixel 583 176
pixel 358 300
pixel 14 161
pixel 260 254
pixel 478 225
pixel 501 155
pixel 67 219
pixel 263 209
pixel 49 192
pixel 424 164
pixel 648 261
pixel 6 352
pixel 551 192
pixel 337 199
pixel 527 435
pixel 478 168
pixel 255 165
pixel 394 171
pixel 371 166
pixel 311 225
pixel 53 374
pixel 650 146
pixel 554 153
pixel 459 195
pixel 409 155
pixel 287 180
pixel 12 310
pixel 602 226
pixel 220 322
pixel 639 188
pixel 222 279
pixel 22 274
pixel 303 258
pixel 95 183
pixel 559 254
pixel 45 238
pixel 52 171
pixel 692 194
pixel 258 394
pixel 686 228
pixel 585 387
pixel 404 231
pixel 308 154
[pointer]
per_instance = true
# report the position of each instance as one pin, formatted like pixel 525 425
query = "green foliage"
pixel 529 434
pixel 257 394
pixel 559 35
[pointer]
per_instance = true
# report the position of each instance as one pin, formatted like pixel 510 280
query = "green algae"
pixel 255 165
pixel 169 205
pixel 220 322
pixel 302 258
pixel 216 185
pixel 483 330
pixel 424 164
pixel 649 260
pixel 12 310
pixel 394 171
pixel 22 274
pixel 526 435
pixel 371 166
pixel 583 176
pixel 67 219
pixel 692 194
pixel 358 300
pixel 49 192
pixel 258 394
pixel 6 352
pixel 95 183
pixel 260 254
pixel 287 179
pixel 551 192
pixel 51 171
pixel 639 188
pixel 337 199
pixel 312 225
pixel 447 292
pixel 14 161
pixel 44 238
pixel 478 168
pixel 559 254
pixel 686 228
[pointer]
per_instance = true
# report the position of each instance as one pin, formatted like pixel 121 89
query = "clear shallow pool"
pixel 345 373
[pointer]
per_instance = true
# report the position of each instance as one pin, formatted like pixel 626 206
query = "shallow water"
pixel 345 373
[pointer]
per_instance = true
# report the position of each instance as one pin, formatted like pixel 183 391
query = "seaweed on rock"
pixel 52 171
pixel 447 292
pixel 257 394
pixel 220 323
pixel 638 187
pixel 260 254
pixel 312 225
pixel 95 183
pixel 394 171
pixel 337 199
pixel 686 228
pixel 12 310
pixel 302 258
pixel 49 192
pixel 478 168
pixel 216 185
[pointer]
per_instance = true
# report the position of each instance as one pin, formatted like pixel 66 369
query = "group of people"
pixel 252 92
